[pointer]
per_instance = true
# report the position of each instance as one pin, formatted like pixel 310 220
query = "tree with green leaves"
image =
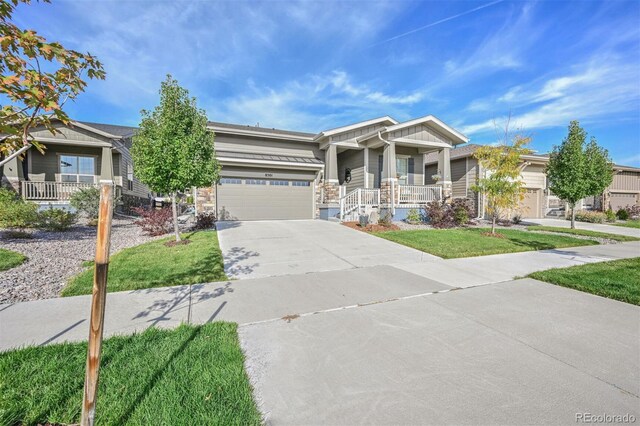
pixel 173 149
pixel 501 184
pixel 577 169
pixel 38 78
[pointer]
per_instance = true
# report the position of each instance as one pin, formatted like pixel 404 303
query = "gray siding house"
pixel 538 201
pixel 80 155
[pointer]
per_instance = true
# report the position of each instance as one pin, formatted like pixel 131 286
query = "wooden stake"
pixel 97 305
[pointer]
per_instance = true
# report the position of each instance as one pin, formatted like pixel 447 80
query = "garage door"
pixel 530 206
pixel 620 200
pixel 257 199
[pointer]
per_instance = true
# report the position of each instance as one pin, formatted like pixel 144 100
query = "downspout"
pixel 393 198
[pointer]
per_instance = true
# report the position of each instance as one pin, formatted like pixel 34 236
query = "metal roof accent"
pixel 268 157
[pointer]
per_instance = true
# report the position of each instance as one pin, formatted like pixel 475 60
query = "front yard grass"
pixel 190 375
pixel 633 223
pixel 454 243
pixel 154 264
pixel 617 279
pixel 583 232
pixel 10 259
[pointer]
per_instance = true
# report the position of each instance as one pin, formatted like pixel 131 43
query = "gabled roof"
pixel 108 130
pixel 463 151
pixel 330 132
pixel 259 131
pixel 438 124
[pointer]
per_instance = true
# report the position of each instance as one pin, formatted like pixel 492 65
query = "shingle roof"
pixel 111 128
pixel 463 151
pixel 260 129
pixel 268 157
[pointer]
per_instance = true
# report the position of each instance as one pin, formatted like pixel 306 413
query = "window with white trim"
pixel 129 176
pixel 300 183
pixel 77 168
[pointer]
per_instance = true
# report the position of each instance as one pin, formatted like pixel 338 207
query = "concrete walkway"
pixel 599 227
pixel 256 249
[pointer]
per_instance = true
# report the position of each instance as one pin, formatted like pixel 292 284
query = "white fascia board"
pixel 248 132
pixel 73 142
pixel 418 143
pixel 248 162
pixel 354 126
pixel 431 119
pixel 94 130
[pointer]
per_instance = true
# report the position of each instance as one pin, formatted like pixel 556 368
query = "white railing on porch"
pixel 51 191
pixel 419 194
pixel 358 199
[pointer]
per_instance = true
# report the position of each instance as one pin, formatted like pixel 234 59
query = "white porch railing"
pixel 358 199
pixel 419 194
pixel 51 191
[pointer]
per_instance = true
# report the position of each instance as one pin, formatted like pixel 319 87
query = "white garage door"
pixel 620 200
pixel 256 199
pixel 530 206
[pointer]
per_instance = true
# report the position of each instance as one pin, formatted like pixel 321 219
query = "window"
pixel 300 183
pixel 76 168
pixel 256 182
pixel 230 181
pixel 279 183
pixel 130 176
pixel 402 170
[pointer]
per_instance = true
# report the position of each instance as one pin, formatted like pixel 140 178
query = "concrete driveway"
pixel 517 352
pixel 284 247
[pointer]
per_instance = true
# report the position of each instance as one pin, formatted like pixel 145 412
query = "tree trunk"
pixel 573 216
pixel 493 225
pixel 174 207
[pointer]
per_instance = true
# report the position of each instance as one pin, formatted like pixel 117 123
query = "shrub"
pixel 591 217
pixel 517 219
pixel 413 216
pixel 442 215
pixel 15 212
pixel 622 214
pixel 154 221
pixel 56 219
pixel 385 219
pixel 634 211
pixel 610 215
pixel 205 220
pixel 87 202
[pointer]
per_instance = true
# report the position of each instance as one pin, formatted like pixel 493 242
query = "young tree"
pixel 501 184
pixel 37 77
pixel 173 150
pixel 577 169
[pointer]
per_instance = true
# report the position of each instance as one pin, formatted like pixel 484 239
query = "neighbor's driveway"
pixel 283 247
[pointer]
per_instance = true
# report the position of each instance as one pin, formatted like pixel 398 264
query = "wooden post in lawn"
pixel 101 267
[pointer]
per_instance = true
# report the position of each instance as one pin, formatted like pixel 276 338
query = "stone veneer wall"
pixel 206 199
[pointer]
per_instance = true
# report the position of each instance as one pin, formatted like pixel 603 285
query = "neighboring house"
pixel 538 201
pixel 81 155
pixel 374 165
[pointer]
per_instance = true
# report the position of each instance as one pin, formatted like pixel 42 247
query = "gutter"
pixel 393 198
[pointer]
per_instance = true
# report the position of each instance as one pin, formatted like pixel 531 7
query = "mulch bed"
pixel 371 227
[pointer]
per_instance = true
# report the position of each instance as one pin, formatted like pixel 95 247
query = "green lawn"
pixel 617 279
pixel 154 264
pixel 629 223
pixel 454 243
pixel 583 232
pixel 10 259
pixel 190 375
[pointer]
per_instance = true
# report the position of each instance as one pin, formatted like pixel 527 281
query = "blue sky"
pixel 311 66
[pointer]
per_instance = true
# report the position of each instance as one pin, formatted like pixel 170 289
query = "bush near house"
pixel 56 219
pixel 413 216
pixel 15 213
pixel 154 221
pixel 205 220
pixel 443 215
pixel 611 216
pixel 622 214
pixel 589 216
pixel 87 202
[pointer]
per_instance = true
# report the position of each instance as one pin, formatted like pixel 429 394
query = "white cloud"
pixel 600 89
pixel 313 103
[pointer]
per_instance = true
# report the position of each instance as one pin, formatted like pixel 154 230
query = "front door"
pixel 402 170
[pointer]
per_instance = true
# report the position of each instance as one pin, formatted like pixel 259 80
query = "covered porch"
pixel 380 166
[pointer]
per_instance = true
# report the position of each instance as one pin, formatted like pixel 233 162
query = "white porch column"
pixel 331 164
pixel 389 162
pixel 444 170
pixel 106 165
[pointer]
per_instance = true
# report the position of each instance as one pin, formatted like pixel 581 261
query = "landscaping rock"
pixel 54 257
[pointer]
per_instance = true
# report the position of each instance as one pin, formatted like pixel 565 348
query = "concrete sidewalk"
pixel 472 271
pixel 599 227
